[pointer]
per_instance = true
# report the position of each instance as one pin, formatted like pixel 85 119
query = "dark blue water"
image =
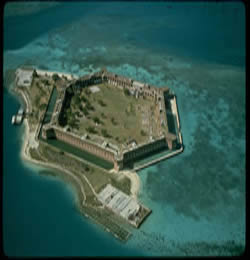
pixel 197 196
pixel 213 32
pixel 39 217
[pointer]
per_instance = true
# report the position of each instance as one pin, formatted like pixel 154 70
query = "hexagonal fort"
pixel 114 117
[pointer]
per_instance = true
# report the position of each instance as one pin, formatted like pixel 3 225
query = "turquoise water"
pixel 197 197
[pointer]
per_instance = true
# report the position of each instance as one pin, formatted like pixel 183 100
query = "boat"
pixel 20 111
pixel 13 120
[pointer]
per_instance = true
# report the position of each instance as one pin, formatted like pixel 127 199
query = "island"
pixel 97 131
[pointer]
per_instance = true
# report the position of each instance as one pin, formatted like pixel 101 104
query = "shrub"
pixel 113 121
pixel 84 99
pixel 143 133
pixel 42 106
pixel 89 106
pixel 87 91
pixel 105 133
pixel 85 111
pixel 103 115
pixel 101 103
pixel 91 129
pixel 96 120
pixel 55 77
pixel 35 75
pixel 126 92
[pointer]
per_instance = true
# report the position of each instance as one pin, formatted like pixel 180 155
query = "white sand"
pixel 135 182
pixel 29 142
pixel 50 73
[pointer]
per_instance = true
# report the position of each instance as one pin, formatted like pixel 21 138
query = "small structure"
pixel 24 77
pixel 123 205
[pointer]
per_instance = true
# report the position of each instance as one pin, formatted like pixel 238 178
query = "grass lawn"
pixel 120 115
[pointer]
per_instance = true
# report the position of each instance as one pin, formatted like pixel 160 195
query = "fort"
pixel 161 102
pixel 99 129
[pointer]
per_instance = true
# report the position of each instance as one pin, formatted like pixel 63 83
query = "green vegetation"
pixel 113 121
pixel 85 111
pixel 91 130
pixel 103 115
pixel 109 107
pixel 105 133
pixel 89 106
pixel 84 99
pixel 96 176
pixel 76 100
pixel 87 91
pixel 143 133
pixel 55 77
pixel 34 154
pixel 123 185
pixel 45 82
pixel 97 120
pixel 35 75
pixel 101 103
pixel 42 106
pixel 126 92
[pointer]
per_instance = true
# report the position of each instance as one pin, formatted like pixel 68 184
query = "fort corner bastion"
pixel 152 112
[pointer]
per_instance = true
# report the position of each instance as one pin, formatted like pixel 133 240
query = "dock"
pixel 18 118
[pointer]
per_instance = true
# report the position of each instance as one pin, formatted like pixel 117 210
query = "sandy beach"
pixel 50 73
pixel 135 182
pixel 29 142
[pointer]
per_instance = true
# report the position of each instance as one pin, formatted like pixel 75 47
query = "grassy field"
pixel 97 178
pixel 110 113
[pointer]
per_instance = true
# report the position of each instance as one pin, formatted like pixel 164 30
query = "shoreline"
pixel 60 74
pixel 28 141
pixel 26 156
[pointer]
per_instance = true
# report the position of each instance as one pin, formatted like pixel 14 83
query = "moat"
pixel 100 129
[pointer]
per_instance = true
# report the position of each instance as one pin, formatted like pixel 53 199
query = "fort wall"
pixel 144 149
pixel 139 89
pixel 83 144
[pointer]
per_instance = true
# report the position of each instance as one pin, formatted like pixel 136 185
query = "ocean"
pixel 197 197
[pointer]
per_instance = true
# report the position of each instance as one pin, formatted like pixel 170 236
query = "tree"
pixel 91 129
pixel 34 74
pixel 113 121
pixel 89 106
pixel 84 99
pixel 105 133
pixel 143 133
pixel 101 103
pixel 45 82
pixel 55 77
pixel 76 100
pixel 85 111
pixel 43 106
pixel 126 92
pixel 103 115
pixel 96 120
